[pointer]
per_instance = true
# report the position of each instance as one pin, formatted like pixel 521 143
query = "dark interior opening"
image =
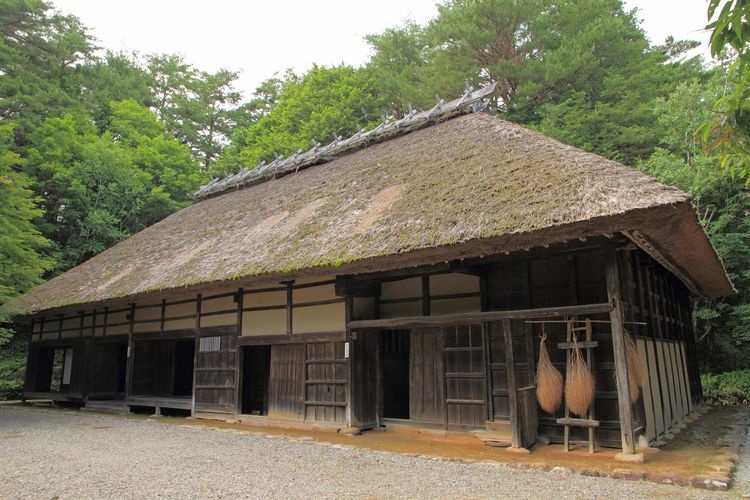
pixel 53 369
pixel 395 356
pixel 184 351
pixel 122 363
pixel 256 371
pixel 163 367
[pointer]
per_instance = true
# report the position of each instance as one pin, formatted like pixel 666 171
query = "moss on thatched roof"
pixel 474 185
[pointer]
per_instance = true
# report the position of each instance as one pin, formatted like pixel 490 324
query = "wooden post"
pixel 618 347
pixel 104 328
pixel 131 351
pixel 510 365
pixel 198 311
pixel 349 346
pixel 484 305
pixel 162 314
pixel 196 350
pixel 59 326
pixel 239 299
pixel 289 305
pixel 425 295
pixel 80 324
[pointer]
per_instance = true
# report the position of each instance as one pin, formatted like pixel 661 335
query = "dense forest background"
pixel 96 145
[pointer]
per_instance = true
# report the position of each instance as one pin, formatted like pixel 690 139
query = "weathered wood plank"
pixel 618 346
pixel 583 344
pixel 577 422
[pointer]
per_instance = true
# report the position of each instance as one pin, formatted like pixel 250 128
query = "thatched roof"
pixel 471 186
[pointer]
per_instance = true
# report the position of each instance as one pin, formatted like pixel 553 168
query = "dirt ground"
pixel 58 453
pixel 690 453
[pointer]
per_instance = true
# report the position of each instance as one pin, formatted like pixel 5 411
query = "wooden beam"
pixel 299 338
pixel 473 318
pixel 618 347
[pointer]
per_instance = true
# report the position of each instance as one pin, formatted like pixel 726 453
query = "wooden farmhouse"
pixel 400 277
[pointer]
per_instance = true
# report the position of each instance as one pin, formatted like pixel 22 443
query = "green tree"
pixel 100 187
pixel 730 124
pixel 21 245
pixel 581 71
pixel 209 114
pixel 115 77
pixel 397 65
pixel 723 205
pixel 322 104
pixel 265 97
pixel 41 58
pixel 170 84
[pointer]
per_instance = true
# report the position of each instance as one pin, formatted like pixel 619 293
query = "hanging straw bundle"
pixel 579 385
pixel 637 370
pixel 549 381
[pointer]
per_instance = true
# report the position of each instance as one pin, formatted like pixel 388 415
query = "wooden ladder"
pixel 589 344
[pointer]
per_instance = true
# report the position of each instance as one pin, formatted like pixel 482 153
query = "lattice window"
pixel 210 344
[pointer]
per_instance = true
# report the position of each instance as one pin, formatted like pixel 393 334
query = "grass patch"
pixel 726 389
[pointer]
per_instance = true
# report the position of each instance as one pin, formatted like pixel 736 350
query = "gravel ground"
pixel 741 477
pixel 73 455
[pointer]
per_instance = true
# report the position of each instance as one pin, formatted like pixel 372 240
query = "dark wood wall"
pixel 653 296
pixel 567 279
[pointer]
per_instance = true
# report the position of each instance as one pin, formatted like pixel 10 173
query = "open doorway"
pixel 184 352
pixel 256 370
pixel 55 367
pixel 395 365
pixel 107 369
pixel 163 368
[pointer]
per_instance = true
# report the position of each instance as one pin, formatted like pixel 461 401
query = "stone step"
pixel 496 439
pixel 501 426
pixel 107 406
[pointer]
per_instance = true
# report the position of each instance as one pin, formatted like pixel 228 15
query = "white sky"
pixel 261 37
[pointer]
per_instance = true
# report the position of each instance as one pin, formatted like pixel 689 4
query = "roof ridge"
pixel 471 101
